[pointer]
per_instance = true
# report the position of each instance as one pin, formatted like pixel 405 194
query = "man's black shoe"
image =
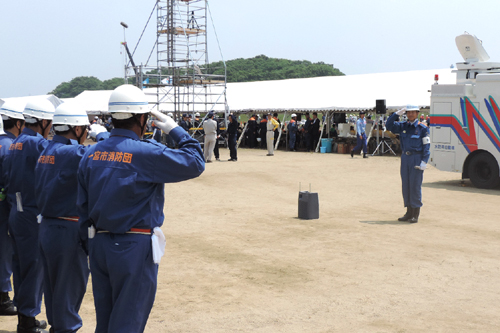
pixel 365 156
pixel 7 308
pixel 29 324
pixel 352 153
pixel 41 324
pixel 414 217
pixel 408 215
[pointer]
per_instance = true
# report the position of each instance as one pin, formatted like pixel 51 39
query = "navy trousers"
pixel 26 266
pixel 124 279
pixel 5 248
pixel 360 143
pixel 232 147
pixel 66 273
pixel 293 137
pixel 411 179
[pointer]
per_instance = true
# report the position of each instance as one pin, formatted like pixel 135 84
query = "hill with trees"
pixel 262 68
pixel 259 68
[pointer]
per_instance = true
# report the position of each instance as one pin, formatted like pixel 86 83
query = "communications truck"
pixel 465 117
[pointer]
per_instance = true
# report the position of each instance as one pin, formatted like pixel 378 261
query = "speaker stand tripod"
pixel 382 143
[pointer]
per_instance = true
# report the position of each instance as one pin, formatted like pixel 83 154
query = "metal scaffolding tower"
pixel 182 80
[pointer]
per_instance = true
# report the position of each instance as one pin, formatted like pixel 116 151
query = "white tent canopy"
pixel 53 99
pixel 337 93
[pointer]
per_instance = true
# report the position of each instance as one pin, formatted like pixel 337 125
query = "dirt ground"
pixel 239 260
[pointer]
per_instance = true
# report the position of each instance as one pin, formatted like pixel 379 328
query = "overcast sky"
pixel 44 43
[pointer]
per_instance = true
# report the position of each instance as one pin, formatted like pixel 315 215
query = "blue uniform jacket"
pixel 292 127
pixel 121 180
pixel 56 177
pixel 5 142
pixel 411 136
pixel 19 167
pixel 360 126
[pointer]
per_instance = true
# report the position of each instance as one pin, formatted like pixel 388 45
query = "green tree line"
pixel 263 68
pixel 259 68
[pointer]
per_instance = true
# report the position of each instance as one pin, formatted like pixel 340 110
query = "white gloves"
pixel 422 166
pixel 401 111
pixel 158 243
pixel 164 122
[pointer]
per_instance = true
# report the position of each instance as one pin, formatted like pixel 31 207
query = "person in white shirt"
pixel 272 125
pixel 210 129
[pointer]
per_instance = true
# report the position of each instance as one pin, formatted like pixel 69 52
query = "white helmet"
pixel 69 114
pixel 170 115
pixel 411 107
pixel 12 109
pixel 127 100
pixel 294 115
pixel 197 114
pixel 38 109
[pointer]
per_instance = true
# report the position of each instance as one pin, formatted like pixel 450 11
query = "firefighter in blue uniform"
pixel 64 260
pixel 120 201
pixel 360 136
pixel 292 131
pixel 19 176
pixel 10 127
pixel 415 144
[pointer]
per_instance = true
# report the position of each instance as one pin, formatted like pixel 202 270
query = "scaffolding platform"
pixel 183 79
pixel 182 31
pixel 198 81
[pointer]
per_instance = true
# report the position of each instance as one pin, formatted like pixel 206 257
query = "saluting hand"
pixel 164 122
pixel 401 111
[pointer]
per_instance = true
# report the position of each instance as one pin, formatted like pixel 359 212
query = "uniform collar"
pixel 10 135
pixel 124 132
pixel 30 132
pixel 63 140
pixel 414 123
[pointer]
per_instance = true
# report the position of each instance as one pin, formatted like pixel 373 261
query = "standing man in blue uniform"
pixel 292 131
pixel 120 201
pixel 360 136
pixel 19 173
pixel 415 144
pixel 10 127
pixel 65 264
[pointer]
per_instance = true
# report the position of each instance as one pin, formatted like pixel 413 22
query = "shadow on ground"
pixel 461 186
pixel 387 222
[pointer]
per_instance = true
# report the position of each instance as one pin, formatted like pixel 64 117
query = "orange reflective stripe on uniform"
pixel 69 218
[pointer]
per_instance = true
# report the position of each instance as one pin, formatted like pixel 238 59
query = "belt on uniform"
pixel 131 231
pixel 270 130
pixel 412 152
pixel 66 218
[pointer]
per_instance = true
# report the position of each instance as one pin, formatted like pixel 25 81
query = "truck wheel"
pixel 483 171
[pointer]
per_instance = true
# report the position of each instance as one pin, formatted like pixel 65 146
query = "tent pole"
pixel 242 135
pixel 279 135
pixel 320 136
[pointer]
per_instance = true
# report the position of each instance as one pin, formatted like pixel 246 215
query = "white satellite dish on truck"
pixel 471 48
